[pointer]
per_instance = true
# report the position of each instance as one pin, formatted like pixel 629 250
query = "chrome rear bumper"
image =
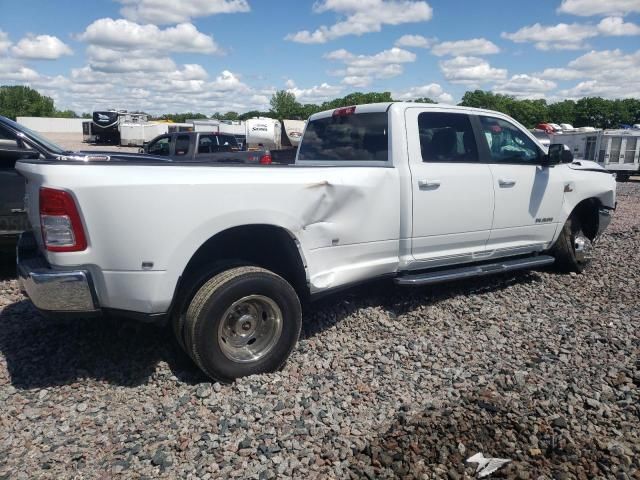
pixel 53 291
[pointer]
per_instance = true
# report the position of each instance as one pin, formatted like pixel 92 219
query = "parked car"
pixel 13 219
pixel 204 147
pixel 416 193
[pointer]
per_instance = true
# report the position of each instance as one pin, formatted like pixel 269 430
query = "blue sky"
pixel 219 55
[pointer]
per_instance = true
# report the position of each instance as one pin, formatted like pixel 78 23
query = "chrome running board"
pixel 440 276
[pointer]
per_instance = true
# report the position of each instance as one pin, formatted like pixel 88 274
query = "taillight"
pixel 344 112
pixel 266 159
pixel 62 229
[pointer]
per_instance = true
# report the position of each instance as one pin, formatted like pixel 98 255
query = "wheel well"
pixel 266 246
pixel 587 213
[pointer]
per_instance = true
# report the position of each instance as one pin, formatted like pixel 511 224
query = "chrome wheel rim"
pixel 582 247
pixel 250 328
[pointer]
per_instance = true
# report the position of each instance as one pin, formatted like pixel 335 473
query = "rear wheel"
pixel 573 248
pixel 241 322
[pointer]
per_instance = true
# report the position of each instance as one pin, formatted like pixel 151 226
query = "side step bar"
pixel 441 276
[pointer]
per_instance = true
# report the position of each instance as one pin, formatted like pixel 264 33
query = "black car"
pixel 14 145
pixel 204 147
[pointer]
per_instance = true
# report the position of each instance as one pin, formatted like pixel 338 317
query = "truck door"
pixel 451 189
pixel 528 195
pixel 182 147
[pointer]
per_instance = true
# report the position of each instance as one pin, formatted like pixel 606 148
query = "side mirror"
pixel 559 153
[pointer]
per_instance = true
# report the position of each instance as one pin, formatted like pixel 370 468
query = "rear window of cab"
pixel 354 137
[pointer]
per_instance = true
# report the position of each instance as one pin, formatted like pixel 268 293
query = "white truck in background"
pixel 413 192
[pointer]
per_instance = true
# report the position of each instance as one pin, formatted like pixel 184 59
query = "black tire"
pixel 208 314
pixel 564 250
pixel 193 283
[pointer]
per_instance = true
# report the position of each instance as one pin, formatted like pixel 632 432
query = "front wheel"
pixel 241 322
pixel 573 248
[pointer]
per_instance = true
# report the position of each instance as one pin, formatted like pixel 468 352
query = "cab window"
pixel 182 145
pixel 207 144
pixel 507 143
pixel 446 137
pixel 160 147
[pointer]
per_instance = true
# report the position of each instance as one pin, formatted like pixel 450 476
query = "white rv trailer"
pixel 294 129
pixel 616 150
pixel 263 133
pixel 137 134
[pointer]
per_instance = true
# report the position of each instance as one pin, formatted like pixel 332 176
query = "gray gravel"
pixel 537 367
pixel 73 141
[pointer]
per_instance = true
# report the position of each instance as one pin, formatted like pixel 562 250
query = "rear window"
pixel 359 137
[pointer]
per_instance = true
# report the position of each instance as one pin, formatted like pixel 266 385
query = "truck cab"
pixel 202 147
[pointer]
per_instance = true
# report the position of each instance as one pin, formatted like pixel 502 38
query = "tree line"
pixel 17 101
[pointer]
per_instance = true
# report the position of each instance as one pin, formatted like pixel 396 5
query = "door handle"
pixel 506 182
pixel 428 184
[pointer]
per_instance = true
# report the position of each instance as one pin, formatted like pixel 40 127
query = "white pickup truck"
pixel 418 193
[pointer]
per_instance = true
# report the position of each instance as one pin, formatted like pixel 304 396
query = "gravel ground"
pixel 73 141
pixel 537 367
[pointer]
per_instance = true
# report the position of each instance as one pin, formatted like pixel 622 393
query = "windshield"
pixel 36 137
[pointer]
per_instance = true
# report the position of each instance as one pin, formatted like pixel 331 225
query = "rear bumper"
pixel 54 291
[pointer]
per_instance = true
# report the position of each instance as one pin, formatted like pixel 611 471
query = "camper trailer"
pixel 616 150
pixel 106 125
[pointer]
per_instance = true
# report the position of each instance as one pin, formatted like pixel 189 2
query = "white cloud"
pixel 525 86
pixel 475 46
pixel 5 43
pixel 571 36
pixel 471 71
pixel 414 41
pixel 41 47
pixel 361 70
pixel 433 91
pixel 556 37
pixel 125 35
pixel 162 12
pixel 616 26
pixel 315 94
pixel 606 73
pixel 12 70
pixel 560 74
pixel 587 8
pixel 363 16
pixel 187 88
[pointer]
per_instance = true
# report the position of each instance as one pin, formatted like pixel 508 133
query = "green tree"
pixel 527 112
pixel 284 105
pixel 253 114
pixel 488 100
pixel 357 98
pixel 21 101
pixel 423 100
pixel 563 112
pixel 66 114
pixel 230 116
pixel 181 117
pixel 594 112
